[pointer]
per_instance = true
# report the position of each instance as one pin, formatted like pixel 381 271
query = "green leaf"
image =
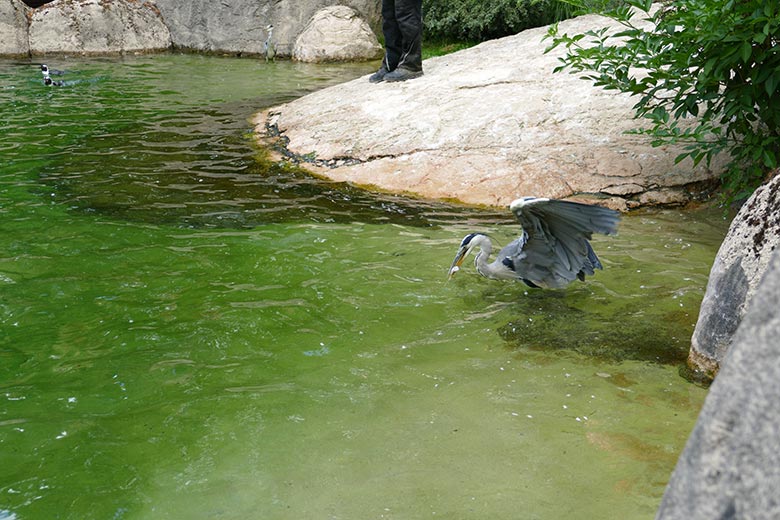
pixel 771 84
pixel 770 160
pixel 680 158
pixel 747 50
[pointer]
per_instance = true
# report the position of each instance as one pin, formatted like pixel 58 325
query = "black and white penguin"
pixel 51 83
pixel 46 71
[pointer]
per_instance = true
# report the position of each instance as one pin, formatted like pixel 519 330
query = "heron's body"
pixel 269 49
pixel 554 248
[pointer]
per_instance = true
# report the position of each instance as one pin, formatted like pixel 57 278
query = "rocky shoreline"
pixel 240 27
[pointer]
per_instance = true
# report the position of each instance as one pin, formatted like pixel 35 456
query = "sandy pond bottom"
pixel 185 333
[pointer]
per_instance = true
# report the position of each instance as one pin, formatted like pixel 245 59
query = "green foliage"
pixel 433 48
pixel 714 60
pixel 480 20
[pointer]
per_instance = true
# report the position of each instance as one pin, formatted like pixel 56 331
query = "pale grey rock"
pixel 730 468
pixel 205 25
pixel 97 27
pixel 337 33
pixel 238 27
pixel 13 28
pixel 739 266
pixel 486 125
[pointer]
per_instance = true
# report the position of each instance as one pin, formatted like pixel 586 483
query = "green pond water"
pixel 187 332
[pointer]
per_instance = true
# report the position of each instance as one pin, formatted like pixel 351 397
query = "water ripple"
pixel 128 139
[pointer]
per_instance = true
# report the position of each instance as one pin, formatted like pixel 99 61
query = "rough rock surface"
pixel 97 27
pixel 238 26
pixel 205 25
pixel 337 33
pixel 730 468
pixel 13 28
pixel 739 266
pixel 486 125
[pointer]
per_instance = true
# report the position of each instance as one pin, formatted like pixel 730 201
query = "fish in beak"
pixel 466 245
pixel 455 267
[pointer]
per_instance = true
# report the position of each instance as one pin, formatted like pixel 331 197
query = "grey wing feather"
pixel 527 263
pixel 558 231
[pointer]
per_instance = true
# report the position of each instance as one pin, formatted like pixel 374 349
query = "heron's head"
pixel 468 243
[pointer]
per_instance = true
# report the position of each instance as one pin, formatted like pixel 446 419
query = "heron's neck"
pixel 481 260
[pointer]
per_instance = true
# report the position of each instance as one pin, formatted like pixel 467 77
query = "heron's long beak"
pixel 455 267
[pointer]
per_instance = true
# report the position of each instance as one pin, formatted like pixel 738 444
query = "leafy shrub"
pixel 483 20
pixel 715 60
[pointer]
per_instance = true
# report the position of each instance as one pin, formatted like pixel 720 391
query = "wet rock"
pixel 239 26
pixel 337 33
pixel 13 28
pixel 730 467
pixel 97 27
pixel 486 125
pixel 739 266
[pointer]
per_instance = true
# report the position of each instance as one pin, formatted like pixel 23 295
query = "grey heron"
pixel 553 248
pixel 268 46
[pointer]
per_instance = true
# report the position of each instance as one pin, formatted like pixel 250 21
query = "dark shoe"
pixel 402 74
pixel 379 75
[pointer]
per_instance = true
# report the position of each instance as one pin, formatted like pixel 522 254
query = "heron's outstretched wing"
pixel 554 249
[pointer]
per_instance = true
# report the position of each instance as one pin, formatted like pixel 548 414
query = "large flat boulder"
pixel 13 28
pixel 97 27
pixel 486 125
pixel 730 468
pixel 238 26
pixel 739 266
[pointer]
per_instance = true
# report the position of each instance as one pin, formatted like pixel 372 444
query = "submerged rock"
pixel 337 33
pixel 97 27
pixel 486 125
pixel 730 467
pixel 739 266
pixel 13 28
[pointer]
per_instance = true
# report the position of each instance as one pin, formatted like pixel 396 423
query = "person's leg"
pixel 393 34
pixel 408 18
pixel 393 42
pixel 402 28
pixel 408 15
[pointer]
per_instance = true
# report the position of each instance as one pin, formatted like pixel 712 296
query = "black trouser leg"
pixel 402 27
